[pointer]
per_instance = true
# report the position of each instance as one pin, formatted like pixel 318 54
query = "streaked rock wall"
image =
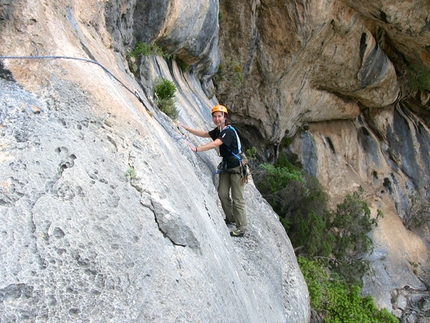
pixel 107 215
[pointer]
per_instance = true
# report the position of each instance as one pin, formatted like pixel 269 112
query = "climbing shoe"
pixel 237 233
pixel 229 222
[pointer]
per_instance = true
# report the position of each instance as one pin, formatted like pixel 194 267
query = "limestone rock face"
pixel 309 62
pixel 335 76
pixel 107 215
pixel 186 29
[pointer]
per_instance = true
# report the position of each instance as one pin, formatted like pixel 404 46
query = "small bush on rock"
pixel 165 97
pixel 419 78
pixel 230 70
pixel 144 49
pixel 130 173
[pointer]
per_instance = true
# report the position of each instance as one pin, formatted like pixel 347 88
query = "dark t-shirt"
pixel 228 137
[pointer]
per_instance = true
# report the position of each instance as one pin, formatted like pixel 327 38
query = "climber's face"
pixel 218 118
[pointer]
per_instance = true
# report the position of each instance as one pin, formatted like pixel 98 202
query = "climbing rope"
pixel 135 93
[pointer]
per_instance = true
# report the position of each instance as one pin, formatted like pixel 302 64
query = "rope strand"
pixel 135 93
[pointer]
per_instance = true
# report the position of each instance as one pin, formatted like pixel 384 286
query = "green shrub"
pixel 310 233
pixel 278 185
pixel 419 77
pixel 168 107
pixel 165 89
pixel 337 238
pixel 285 142
pixel 346 305
pixel 316 278
pixel 165 97
pixel 220 16
pixel 277 178
pixel 144 49
pixel 230 70
pixel 183 66
pixel 251 154
pixel 335 300
pixel 300 202
pixel 352 223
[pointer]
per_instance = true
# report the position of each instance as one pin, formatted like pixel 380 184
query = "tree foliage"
pixel 300 202
pixel 331 243
pixel 351 224
pixel 335 300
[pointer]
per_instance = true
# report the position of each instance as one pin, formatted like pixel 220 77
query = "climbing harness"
pixel 135 93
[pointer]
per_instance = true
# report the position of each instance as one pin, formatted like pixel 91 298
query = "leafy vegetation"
pixel 335 300
pixel 220 16
pixel 165 97
pixel 230 70
pixel 252 154
pixel 419 77
pixel 316 278
pixel 144 49
pixel 331 242
pixel 351 224
pixel 164 89
pixel 184 66
pixel 300 202
pixel 130 173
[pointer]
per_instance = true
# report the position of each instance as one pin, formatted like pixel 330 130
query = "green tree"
pixel 316 277
pixel 300 202
pixel 351 224
pixel 310 233
pixel 333 241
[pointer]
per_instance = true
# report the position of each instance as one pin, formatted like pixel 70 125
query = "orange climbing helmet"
pixel 219 108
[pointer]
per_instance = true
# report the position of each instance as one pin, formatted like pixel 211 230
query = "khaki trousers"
pixel 234 207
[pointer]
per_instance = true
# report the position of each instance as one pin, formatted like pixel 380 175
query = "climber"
pixel 225 138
